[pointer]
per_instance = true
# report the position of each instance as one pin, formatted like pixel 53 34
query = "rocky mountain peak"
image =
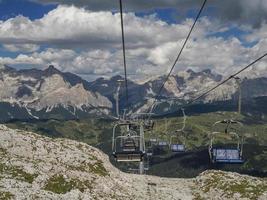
pixel 190 71
pixel 51 70
pixel 216 77
pixel 116 78
pixel 6 69
pixel 207 71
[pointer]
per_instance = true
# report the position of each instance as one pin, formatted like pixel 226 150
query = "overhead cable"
pixel 124 55
pixel 178 56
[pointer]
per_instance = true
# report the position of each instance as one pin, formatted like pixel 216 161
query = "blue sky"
pixel 12 8
pixel 83 38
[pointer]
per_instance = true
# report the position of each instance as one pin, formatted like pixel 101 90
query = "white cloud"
pixel 76 27
pixel 21 59
pixel 89 43
pixel 21 47
pixel 50 56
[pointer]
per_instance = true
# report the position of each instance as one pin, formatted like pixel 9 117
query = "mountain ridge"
pixel 41 92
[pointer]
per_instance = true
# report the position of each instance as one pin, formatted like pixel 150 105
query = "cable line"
pixel 179 54
pixel 223 82
pixel 226 80
pixel 124 56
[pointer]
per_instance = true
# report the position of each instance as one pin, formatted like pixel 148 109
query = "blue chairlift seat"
pixel 222 155
pixel 151 142
pixel 154 140
pixel 177 148
pixel 163 143
pixel 149 152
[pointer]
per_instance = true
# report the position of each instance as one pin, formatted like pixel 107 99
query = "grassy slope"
pixel 99 132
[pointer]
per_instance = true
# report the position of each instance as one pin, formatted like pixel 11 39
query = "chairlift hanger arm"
pixel 228 124
pixel 178 56
pixel 222 83
pixel 234 134
pixel 184 121
pixel 226 80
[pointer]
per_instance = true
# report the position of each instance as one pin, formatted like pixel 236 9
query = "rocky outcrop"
pixel 37 167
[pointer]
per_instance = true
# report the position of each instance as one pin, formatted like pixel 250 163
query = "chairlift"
pixel 178 148
pixel 226 155
pixel 156 142
pixel 128 146
pixel 161 147
pixel 177 141
pixel 163 143
pixel 146 167
pixel 149 152
pixel 150 144
pixel 153 140
pixel 146 119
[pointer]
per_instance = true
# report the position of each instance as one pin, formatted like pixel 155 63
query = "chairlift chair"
pixel 150 144
pixel 149 152
pixel 232 155
pixel 177 141
pixel 129 146
pixel 153 141
pixel 163 143
pixel 176 145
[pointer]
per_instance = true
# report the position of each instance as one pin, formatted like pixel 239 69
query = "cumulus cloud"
pixel 222 56
pixel 21 47
pixel 70 27
pixel 88 43
pixel 241 11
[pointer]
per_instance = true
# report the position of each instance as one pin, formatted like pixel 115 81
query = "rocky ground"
pixel 36 167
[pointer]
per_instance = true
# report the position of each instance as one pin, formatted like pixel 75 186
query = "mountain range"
pixel 50 93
